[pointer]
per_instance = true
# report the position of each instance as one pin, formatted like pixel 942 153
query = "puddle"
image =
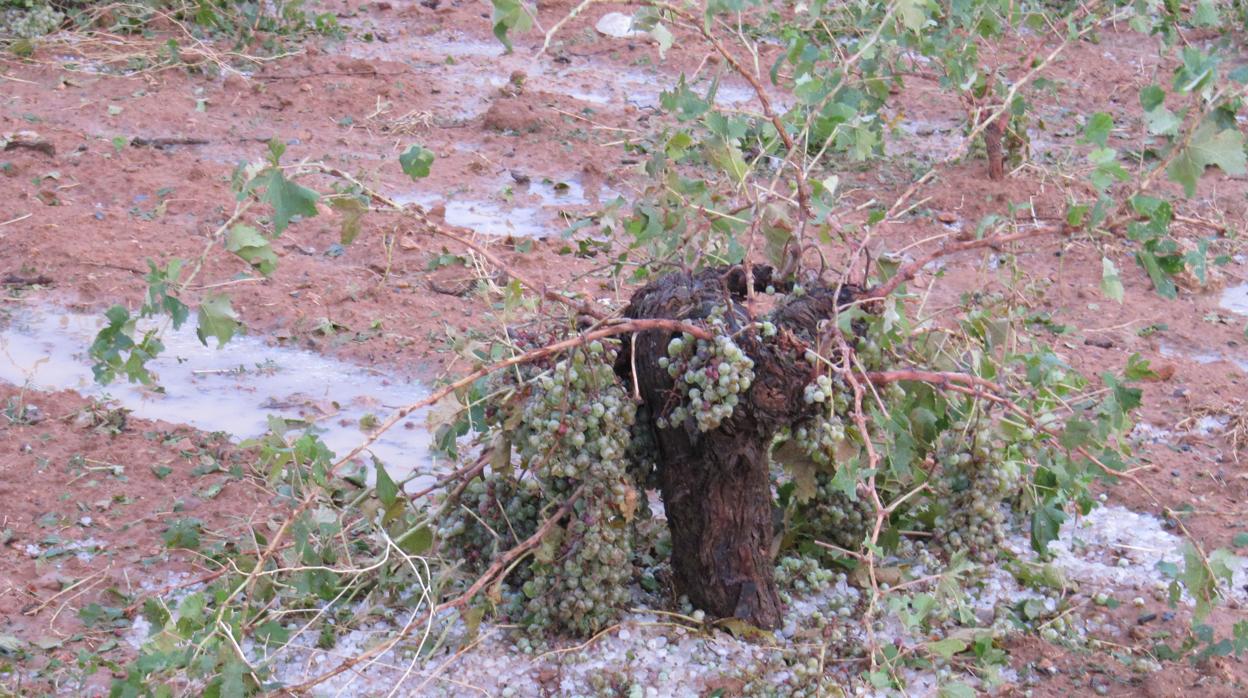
pixel 1235 299
pixel 504 219
pixel 1202 356
pixel 488 217
pixel 457 61
pixel 233 390
pixel 567 192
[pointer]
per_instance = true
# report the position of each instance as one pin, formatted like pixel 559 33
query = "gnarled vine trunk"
pixel 716 485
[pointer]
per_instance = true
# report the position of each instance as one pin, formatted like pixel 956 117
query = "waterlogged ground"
pixel 527 148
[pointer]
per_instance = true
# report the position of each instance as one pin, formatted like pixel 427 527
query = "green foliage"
pixel 217 319
pixel 252 247
pixel 115 349
pixel 183 533
pixel 287 198
pixel 416 162
pixel 510 16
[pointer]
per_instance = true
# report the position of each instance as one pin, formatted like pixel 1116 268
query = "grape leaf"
pixel 1162 122
pixel 287 198
pixel 352 210
pixel 183 533
pixel 509 15
pixel 1098 128
pixel 217 319
pixel 247 242
pixel 1111 282
pixel 387 491
pixel 1209 146
pixel 417 542
pixel 232 685
pixel 1046 525
pixel 416 162
pixel 913 13
pixel 1206 14
pixel 956 689
pixel 947 647
pixel 662 35
pixel 1152 97
pixel 1162 282
pixel 159 299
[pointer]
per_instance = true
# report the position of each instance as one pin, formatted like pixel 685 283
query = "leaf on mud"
pixel 956 689
pixel 947 647
pixel 9 644
pixel 183 533
pixel 352 210
pixel 252 247
pixel 662 35
pixel 1209 146
pixel 1098 128
pixel 742 629
pixel 1111 282
pixel 217 319
pixel 287 198
pixel 232 685
pixel 416 162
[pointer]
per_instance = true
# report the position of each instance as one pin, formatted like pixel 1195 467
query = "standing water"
pixel 233 389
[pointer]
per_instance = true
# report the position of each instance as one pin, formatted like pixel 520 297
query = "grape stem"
pixel 909 271
pixel 486 578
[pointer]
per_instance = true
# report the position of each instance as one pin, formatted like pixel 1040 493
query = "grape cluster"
pixel 30 23
pixel 573 428
pixel 576 422
pixel 486 507
pixel 790 673
pixel 711 377
pixel 975 477
pixel 834 517
pixel 643 451
pixel 826 598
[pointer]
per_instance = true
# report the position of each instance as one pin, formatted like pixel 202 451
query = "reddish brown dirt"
pixel 67 481
pixel 91 219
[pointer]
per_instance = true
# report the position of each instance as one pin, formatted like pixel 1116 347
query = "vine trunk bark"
pixel 716 485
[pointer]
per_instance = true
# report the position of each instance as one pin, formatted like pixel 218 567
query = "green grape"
pixel 709 375
pixel 975 478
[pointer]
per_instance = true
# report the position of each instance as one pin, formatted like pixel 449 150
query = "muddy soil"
pixel 526 147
